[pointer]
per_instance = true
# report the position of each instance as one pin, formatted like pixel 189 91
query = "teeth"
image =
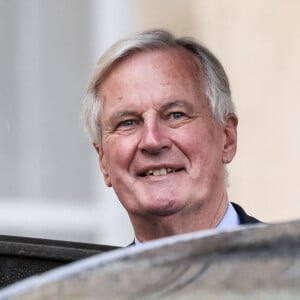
pixel 156 173
pixel 163 171
pixel 160 172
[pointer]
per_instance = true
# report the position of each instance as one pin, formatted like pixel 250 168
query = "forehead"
pixel 156 75
pixel 176 60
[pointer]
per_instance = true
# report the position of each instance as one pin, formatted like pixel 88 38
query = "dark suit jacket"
pixel 244 218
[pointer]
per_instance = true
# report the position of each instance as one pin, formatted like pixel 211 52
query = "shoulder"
pixel 243 216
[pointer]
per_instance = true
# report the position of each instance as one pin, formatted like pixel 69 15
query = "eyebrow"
pixel 129 112
pixel 121 114
pixel 175 103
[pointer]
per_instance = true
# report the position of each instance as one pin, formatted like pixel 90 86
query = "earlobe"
pixel 103 164
pixel 230 138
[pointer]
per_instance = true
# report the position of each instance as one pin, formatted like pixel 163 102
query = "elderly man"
pixel 160 115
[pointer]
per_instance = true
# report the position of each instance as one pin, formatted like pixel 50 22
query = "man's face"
pixel 162 151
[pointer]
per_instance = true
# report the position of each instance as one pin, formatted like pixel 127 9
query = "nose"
pixel 154 137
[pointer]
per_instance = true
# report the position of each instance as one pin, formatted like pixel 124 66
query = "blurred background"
pixel 50 183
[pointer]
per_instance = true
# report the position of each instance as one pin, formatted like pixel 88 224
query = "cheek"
pixel 119 153
pixel 202 147
pixel 112 155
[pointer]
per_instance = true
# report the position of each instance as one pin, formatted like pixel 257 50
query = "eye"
pixel 177 115
pixel 127 123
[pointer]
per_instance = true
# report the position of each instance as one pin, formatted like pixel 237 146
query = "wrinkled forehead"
pixel 183 58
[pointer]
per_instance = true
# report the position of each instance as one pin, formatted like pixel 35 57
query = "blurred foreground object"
pixel 255 262
pixel 21 257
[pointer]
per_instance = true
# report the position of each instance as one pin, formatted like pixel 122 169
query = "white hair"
pixel 217 87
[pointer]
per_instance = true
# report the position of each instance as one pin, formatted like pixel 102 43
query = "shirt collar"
pixel 230 220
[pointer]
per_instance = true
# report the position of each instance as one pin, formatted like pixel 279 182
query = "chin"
pixel 163 208
pixel 162 213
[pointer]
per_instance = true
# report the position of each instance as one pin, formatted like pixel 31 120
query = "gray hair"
pixel 217 89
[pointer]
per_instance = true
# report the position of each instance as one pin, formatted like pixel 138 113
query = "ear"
pixel 230 138
pixel 103 164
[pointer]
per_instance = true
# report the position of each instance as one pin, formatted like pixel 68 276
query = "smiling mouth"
pixel 160 172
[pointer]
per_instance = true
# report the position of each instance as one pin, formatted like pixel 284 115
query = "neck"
pixel 207 216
